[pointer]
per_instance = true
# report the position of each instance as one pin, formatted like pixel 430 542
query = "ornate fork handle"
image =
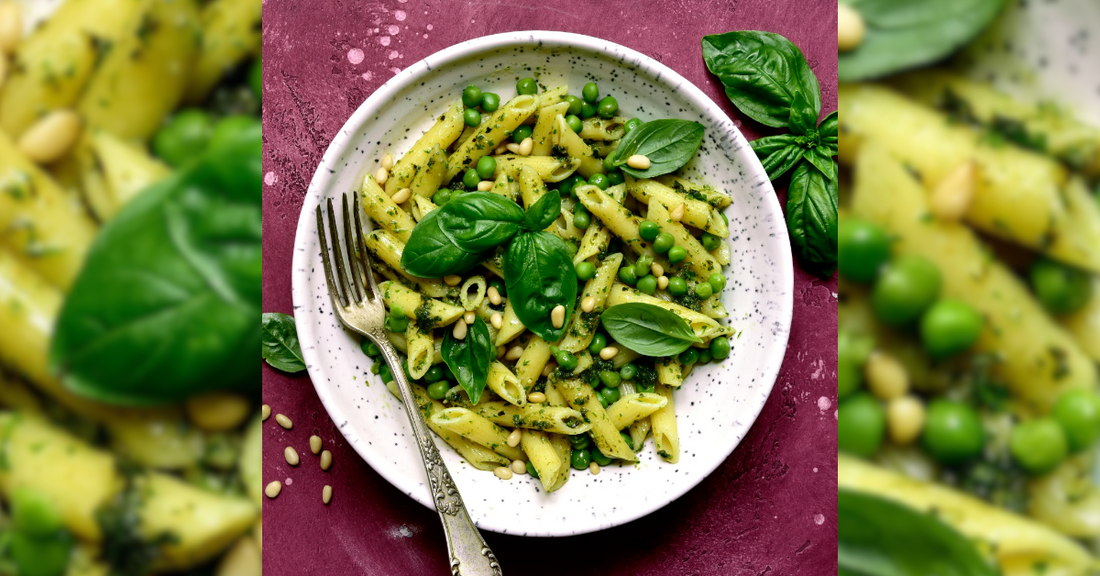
pixel 470 556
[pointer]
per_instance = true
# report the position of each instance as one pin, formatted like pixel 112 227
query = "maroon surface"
pixel 769 509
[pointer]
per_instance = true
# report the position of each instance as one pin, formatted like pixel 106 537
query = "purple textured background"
pixel 769 509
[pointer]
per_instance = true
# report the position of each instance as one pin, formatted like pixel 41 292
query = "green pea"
pixel 442 197
pixel 471 178
pixel 717 281
pixel 704 356
pixel 601 398
pixel 397 311
pixel 581 220
pixel 1039 446
pixel 490 102
pixel 554 349
pixel 598 457
pixel 599 180
pixel 581 459
pixel 631 124
pixel 397 324
pixel 677 286
pixel 486 166
pixel 531 470
pixel 185 136
pixel 949 327
pixel 641 267
pixel 952 432
pixel 585 270
pixel 230 128
pixel 702 289
pixel 527 86
pixel 574 123
pixel 863 248
pixel 610 379
pixel 627 275
pixel 607 107
pixel 34 513
pixel 689 356
pixel 587 111
pixel 629 441
pixel 676 254
pixel 574 105
pixel 376 368
pixel 437 390
pixel 720 348
pixel 599 342
pixel 256 78
pixel 611 395
pixel 710 241
pixel 628 371
pixel 608 163
pixel 590 92
pixel 849 377
pixel 521 133
pixel 1061 289
pixel 40 556
pixel 578 441
pixel 387 375
pixel 450 376
pixel 471 97
pixel 615 177
pixel 905 289
pixel 566 359
pixel 472 118
pixel 861 425
pixel 369 348
pixel 647 285
pixel 1078 411
pixel 648 230
pixel 434 374
pixel 663 243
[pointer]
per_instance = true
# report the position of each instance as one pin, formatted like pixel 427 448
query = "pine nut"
pixel 291 456
pixel 514 353
pixel 557 316
pixel 496 319
pixel 850 28
pixel 381 175
pixel 519 467
pixel 387 161
pixel 452 279
pixel 459 331
pixel 52 137
pixel 494 296
pixel 469 317
pixel 265 412
pixel 326 460
pixel 886 377
pixel 512 147
pixel 657 270
pixel 218 411
pixel 951 198
pixel 402 195
pixel 536 397
pixel 526 146
pixel 326 494
pixel 315 444
pixel 515 437
pixel 284 421
pixel 485 186
pixel 500 352
pixel 503 472
pixel 588 304
pixel 500 150
pixel 272 490
pixel 549 369
pixel 677 213
pixel 638 161
pixel 594 468
pixel 609 352
pixel 905 419
pixel 662 282
pixel 11 28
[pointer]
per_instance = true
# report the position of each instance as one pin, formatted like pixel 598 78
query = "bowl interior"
pixel 717 404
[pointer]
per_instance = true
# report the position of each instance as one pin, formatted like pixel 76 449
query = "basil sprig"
pixel 539 275
pixel 279 342
pixel 469 358
pixel 768 79
pixel 648 329
pixel 668 143
pixel 543 212
pixel 878 536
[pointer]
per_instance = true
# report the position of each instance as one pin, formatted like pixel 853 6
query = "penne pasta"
pixel 697 213
pixel 447 128
pixel 552 467
pixel 502 381
pixel 542 135
pixel 596 128
pixel 477 455
pixel 510 328
pixel 420 349
pixel 492 132
pixel 665 434
pixel 477 429
pixel 631 408
pixel 582 328
pixel 548 168
pixel 418 307
pixel 387 248
pixel 705 328
pixel 570 143
pixel 557 419
pixel 582 398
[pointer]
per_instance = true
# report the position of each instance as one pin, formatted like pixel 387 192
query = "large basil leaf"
pixel 903 35
pixel 822 159
pixel 166 305
pixel 767 145
pixel 469 358
pixel 478 221
pixel 879 537
pixel 279 342
pixel 803 118
pixel 648 329
pixel 778 162
pixel 543 213
pixel 761 72
pixel 812 219
pixel 433 253
pixel 539 275
pixel 668 144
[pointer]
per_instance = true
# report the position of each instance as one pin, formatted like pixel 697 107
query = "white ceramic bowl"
pixel 715 407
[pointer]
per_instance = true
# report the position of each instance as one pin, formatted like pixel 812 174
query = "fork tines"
pixel 350 288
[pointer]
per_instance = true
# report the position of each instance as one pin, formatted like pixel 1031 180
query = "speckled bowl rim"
pixel 754 175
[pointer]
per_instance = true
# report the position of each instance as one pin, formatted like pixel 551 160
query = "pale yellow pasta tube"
pixel 699 260
pixel 583 326
pixel 557 419
pixel 638 432
pixel 583 399
pixel 697 213
pixel 531 187
pixel 530 364
pixel 477 429
pixel 510 327
pixel 597 236
pixel 542 135
pixel 387 248
pixel 420 348
pixel 616 218
pixel 596 128
pixel 440 313
pixel 422 207
pixel 443 133
pixel 477 455
pixel 423 285
pixel 472 301
pixel 634 407
pixel 665 434
pixel 704 327
pixel 430 175
pixel 564 137
pixel 491 133
pixel 128 169
pixel 549 168
pixel 670 371
pixel 721 254
pixel 703 192
pixel 505 184
pixel 230 32
pixel 502 381
pixel 553 96
pixel 552 468
pixel 378 205
pixel 1084 324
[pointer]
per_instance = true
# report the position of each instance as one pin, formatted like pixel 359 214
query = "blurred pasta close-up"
pixel 129 287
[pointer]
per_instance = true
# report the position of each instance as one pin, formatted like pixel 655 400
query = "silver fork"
pixel 359 305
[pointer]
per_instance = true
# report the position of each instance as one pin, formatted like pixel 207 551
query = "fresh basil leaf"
pixel 812 219
pixel 469 358
pixel 880 537
pixel 829 128
pixel 479 221
pixel 822 159
pixel 904 35
pixel 803 118
pixel 668 143
pixel 777 163
pixel 279 342
pixel 543 213
pixel 761 72
pixel 767 145
pixel 165 307
pixel 433 253
pixel 648 329
pixel 539 275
